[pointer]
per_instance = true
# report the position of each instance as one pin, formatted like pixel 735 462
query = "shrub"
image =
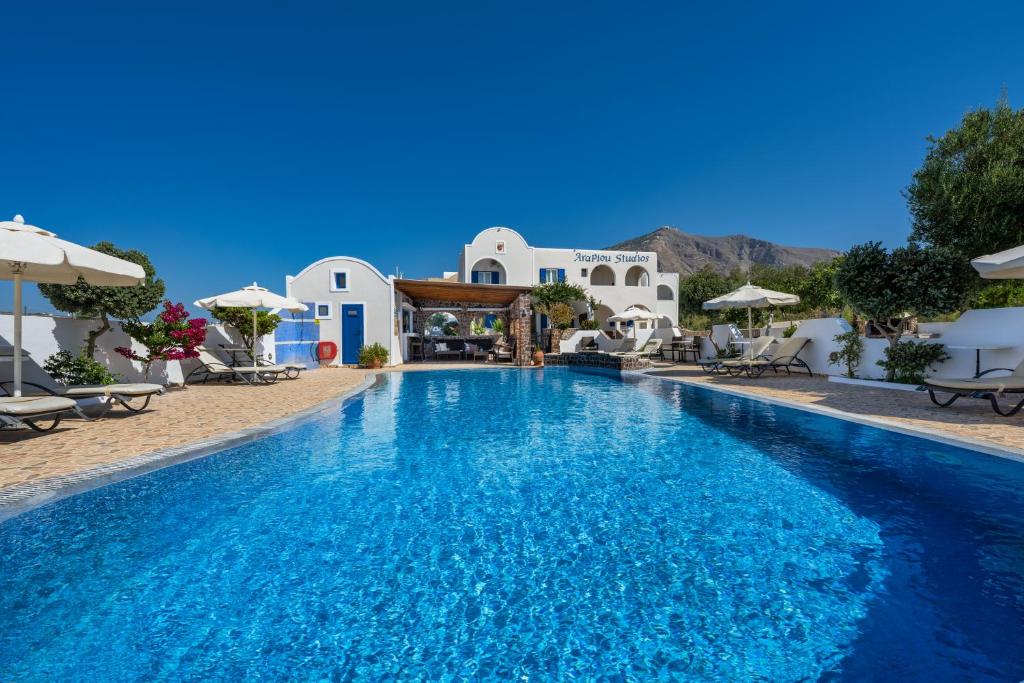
pixel 590 324
pixel 172 336
pixel 850 352
pixel 373 352
pixel 498 326
pixel 75 370
pixel 907 362
pixel 789 331
pixel 561 315
pixel 241 319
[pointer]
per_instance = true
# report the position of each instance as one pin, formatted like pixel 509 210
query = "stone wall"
pixel 520 315
pixel 598 360
pixel 551 337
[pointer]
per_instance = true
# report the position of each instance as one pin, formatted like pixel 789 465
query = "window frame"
pixel 334 280
pixel 316 310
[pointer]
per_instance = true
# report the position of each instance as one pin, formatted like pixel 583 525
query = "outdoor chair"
pixel 474 352
pixel 650 348
pixel 292 370
pixel 987 388
pixel 785 356
pixel 714 365
pixel 212 368
pixel 28 411
pixel 442 350
pixel 627 345
pixel 503 351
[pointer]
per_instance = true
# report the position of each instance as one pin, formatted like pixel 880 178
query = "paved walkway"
pixel 204 411
pixel 968 419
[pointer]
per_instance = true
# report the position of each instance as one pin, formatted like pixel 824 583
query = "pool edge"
pixel 968 443
pixel 21 498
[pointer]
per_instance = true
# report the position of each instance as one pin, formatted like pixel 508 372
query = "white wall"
pixel 45 335
pixel 366 285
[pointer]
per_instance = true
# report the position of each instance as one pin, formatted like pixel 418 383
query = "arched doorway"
pixel 602 276
pixel 637 276
pixel 488 271
pixel 665 293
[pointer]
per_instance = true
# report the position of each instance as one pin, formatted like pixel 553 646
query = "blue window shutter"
pixel 561 274
pixel 543 322
pixel 495 278
pixel 541 280
pixel 475 277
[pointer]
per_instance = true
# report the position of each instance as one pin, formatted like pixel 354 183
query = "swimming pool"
pixel 532 525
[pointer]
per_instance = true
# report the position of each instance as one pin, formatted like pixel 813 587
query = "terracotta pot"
pixel 376 364
pixel 538 357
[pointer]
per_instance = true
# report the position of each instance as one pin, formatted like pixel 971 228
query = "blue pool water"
pixel 532 526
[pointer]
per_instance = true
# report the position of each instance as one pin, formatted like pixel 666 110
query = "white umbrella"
pixel 749 297
pixel 252 297
pixel 633 313
pixel 37 255
pixel 1006 265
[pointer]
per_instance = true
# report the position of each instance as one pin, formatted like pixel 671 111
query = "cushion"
pixel 120 389
pixel 441 346
pixel 27 406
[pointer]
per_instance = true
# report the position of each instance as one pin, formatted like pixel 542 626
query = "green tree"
pixel 241 319
pixel 551 293
pixel 968 194
pixel 695 289
pixel 889 287
pixel 818 291
pixel 121 303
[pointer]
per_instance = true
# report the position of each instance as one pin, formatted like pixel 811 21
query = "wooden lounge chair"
pixel 987 388
pixel 784 356
pixel 212 368
pixel 29 411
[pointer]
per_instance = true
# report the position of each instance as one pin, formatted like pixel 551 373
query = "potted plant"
pixel 373 356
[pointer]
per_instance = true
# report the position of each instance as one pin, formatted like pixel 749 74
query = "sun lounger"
pixel 987 388
pixel 714 365
pixel 722 363
pixel 112 394
pixel 28 411
pixel 212 368
pixel 649 349
pixel 625 346
pixel 784 356
pixel 292 370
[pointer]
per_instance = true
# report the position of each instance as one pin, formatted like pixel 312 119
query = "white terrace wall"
pixel 989 327
pixel 44 335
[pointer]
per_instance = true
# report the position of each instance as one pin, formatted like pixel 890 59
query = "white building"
pixel 353 304
pixel 616 279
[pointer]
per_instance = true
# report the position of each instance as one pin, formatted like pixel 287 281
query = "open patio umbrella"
pixel 1005 265
pixel 633 313
pixel 28 253
pixel 252 297
pixel 750 297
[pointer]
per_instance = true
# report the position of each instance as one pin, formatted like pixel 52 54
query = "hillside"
pixel 683 253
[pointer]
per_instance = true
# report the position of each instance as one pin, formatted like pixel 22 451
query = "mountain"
pixel 683 253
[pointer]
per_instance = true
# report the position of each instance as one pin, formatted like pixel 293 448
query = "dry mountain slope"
pixel 683 253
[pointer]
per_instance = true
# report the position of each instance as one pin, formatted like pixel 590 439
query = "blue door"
pixel 351 333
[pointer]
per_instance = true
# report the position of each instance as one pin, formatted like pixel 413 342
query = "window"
pixel 339 280
pixel 583 272
pixel 485 277
pixel 406 322
pixel 322 310
pixel 499 247
pixel 552 275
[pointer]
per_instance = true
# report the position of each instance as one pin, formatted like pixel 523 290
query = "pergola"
pixel 467 301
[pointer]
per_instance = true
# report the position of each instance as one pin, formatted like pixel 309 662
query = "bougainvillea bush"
pixel 171 336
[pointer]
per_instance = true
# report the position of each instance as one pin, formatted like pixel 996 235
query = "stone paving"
pixel 970 419
pixel 203 411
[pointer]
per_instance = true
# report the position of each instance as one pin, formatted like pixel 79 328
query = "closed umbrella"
pixel 29 253
pixel 1005 265
pixel 252 297
pixel 750 297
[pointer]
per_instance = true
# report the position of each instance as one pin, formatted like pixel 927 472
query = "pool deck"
pixel 202 413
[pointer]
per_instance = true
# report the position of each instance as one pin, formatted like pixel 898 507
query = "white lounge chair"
pixel 986 388
pixel 784 356
pixel 28 411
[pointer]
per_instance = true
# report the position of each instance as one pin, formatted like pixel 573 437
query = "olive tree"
pixel 889 287
pixel 121 303
pixel 241 319
pixel 968 194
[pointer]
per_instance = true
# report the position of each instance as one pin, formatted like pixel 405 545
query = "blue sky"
pixel 242 142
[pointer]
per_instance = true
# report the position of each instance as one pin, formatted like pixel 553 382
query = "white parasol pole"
pixel 750 332
pixel 17 332
pixel 254 337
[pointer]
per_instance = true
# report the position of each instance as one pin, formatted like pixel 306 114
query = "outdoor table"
pixel 978 348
